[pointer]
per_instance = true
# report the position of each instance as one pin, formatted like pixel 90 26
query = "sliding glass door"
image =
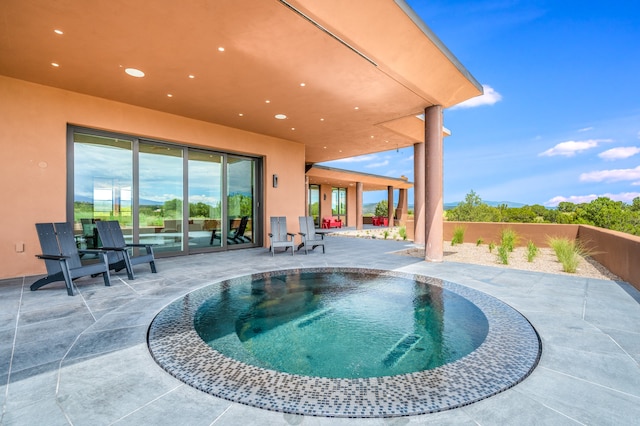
pixel 205 200
pixel 314 204
pixel 339 204
pixel 240 200
pixel 180 199
pixel 161 196
pixel 103 182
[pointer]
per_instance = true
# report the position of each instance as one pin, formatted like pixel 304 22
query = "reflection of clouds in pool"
pixel 508 354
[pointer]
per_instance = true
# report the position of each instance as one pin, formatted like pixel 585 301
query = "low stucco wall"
pixel 539 233
pixel 617 251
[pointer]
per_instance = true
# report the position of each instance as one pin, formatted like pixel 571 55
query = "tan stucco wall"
pixel 539 233
pixel 33 134
pixel 619 252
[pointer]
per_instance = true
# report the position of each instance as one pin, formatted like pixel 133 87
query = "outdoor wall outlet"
pixel 19 247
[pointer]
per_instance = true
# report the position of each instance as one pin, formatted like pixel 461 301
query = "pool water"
pixel 341 324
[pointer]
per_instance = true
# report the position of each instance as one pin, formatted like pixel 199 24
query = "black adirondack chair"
pixel 62 257
pixel 236 236
pixel 118 251
pixel 309 236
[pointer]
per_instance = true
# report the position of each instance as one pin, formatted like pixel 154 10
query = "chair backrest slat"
pixel 108 236
pixel 49 245
pixel 67 243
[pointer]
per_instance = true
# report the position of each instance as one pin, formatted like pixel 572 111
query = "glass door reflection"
pixel 240 199
pixel 161 196
pixel 205 200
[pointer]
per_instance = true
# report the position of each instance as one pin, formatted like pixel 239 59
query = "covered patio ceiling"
pixel 323 175
pixel 350 77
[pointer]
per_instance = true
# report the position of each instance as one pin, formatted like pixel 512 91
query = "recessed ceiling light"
pixel 59 32
pixel 220 49
pixel 267 101
pixel 54 64
pixel 280 116
pixel 169 95
pixel 356 108
pixel 302 84
pixel 293 128
pixel 241 115
pixel 133 72
pixel 322 119
pixel 192 76
pixel 372 137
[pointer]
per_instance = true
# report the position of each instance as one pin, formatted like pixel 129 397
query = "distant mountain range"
pixel 143 202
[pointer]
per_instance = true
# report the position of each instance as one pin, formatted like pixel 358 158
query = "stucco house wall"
pixel 33 172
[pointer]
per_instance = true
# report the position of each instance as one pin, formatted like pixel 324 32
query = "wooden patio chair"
pixel 279 237
pixel 309 235
pixel 62 257
pixel 118 250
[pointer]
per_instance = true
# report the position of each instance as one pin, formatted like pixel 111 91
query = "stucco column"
pixel 401 208
pixel 434 208
pixel 359 191
pixel 418 193
pixel 390 208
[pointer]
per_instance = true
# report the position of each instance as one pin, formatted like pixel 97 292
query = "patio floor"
pixel 83 360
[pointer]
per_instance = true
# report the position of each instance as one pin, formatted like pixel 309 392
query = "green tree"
pixel 472 209
pixel 382 209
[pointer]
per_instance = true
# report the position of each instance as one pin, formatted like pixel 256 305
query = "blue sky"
pixel 560 117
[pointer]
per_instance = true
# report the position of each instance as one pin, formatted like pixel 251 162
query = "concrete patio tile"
pixel 94 343
pixel 629 341
pixel 49 313
pixel 6 349
pixel 44 413
pixel 31 388
pixel 578 399
pixel 515 408
pixel 611 370
pixel 196 408
pixel 89 393
pixel 47 341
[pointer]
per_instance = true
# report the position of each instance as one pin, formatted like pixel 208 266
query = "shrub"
pixel 503 255
pixel 403 232
pixel 568 253
pixel 508 239
pixel 386 234
pixel 479 242
pixel 491 246
pixel 458 235
pixel 532 251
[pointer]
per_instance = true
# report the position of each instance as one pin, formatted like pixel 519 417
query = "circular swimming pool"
pixel 344 342
pixel 341 324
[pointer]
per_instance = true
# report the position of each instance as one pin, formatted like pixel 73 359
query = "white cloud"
pixel 615 175
pixel 619 153
pixel 489 97
pixel 586 129
pixel 380 164
pixel 625 197
pixel 571 148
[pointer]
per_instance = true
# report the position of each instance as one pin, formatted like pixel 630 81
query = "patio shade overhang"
pixel 351 77
pixel 323 175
